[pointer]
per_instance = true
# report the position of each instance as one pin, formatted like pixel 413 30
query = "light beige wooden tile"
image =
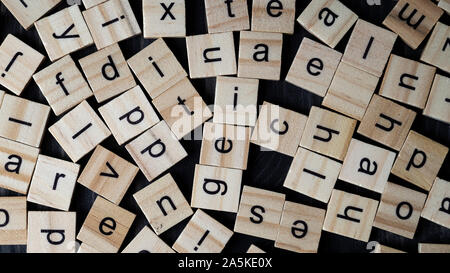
pixel 437 106
pixel 437 50
pixel 156 150
pixel 13 220
pixel 419 160
pixel 164 18
pixel 255 250
pixel 203 234
pixel 27 12
pixel 111 22
pixel 273 16
pixel 106 226
pixel 211 55
pixel 386 122
pixel 437 206
pixel 79 131
pixel 62 85
pixel 350 215
pixel 328 20
pixel 163 204
pixel 90 3
pixel 85 248
pixel 147 242
pixel 2 96
pixel 223 16
pixel 259 213
pixel 51 232
pixel 412 20
pixel 260 55
pixel 108 175
pixel 434 248
pixel 445 5
pixel 53 182
pixel 129 115
pixel 379 248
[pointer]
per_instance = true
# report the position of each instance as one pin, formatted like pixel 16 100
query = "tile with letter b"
pixel 164 18
pixel 254 249
pixel 29 11
pixel 146 241
pixel 437 206
pixel 90 3
pixel 13 220
pixel 438 103
pixel 437 50
pixel 273 16
pixel 224 16
pixel 434 248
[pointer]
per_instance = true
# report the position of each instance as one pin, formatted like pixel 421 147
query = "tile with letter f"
pixel 164 18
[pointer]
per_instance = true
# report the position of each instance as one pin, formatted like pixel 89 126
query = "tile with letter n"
pixel 328 20
pixel 223 16
pixel 13 220
pixel 111 22
pixel 203 234
pixel 350 215
pixel 107 174
pixel 51 232
pixel 106 226
pixel 156 150
pixel 273 16
pixel 437 206
pixel 255 250
pixel 23 120
pixel 437 50
pixel 259 213
pixel 260 55
pixel 412 20
pixel 164 18
pixel 438 104
pixel 64 32
pixel 53 182
pixel 163 204
pixel 146 241
pixel 79 131
pixel 434 248
pixel 90 3
pixel 18 62
pixel 399 210
pixel 29 11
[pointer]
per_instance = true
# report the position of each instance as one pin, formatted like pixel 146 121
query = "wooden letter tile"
pixel 255 250
pixel 28 11
pixel 437 207
pixel 445 5
pixel 147 242
pixel 85 248
pixel 90 3
pixel 434 248
pixel 13 220
pixel 273 16
pixel 438 103
pixel 164 18
pixel 224 16
pixel 379 248
pixel 437 50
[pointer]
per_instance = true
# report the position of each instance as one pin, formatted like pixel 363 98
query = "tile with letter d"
pixel 223 16
pixel 164 18
pixel 273 16
pixel 13 220
pixel 437 206
pixel 29 11
pixel 438 103
pixel 146 241
pixel 437 50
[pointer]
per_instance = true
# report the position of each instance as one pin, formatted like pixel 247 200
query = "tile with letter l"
pixel 164 18
pixel 273 16
pixel 13 220
pixel 29 11
pixel 146 241
pixel 437 206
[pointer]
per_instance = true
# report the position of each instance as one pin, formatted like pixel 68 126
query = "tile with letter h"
pixel 164 18
pixel 224 16
pixel 438 103
pixel 29 11
pixel 13 220
pixel 273 16
pixel 437 206
pixel 437 50
pixel 146 241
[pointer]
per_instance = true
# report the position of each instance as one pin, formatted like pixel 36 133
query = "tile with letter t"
pixel 146 241
pixel 224 16
pixel 164 18
pixel 437 206
pixel 163 204
pixel 434 248
pixel 53 182
pixel 203 234
pixel 273 16
pixel 437 50
pixel 91 3
pixel 255 250
pixel 79 131
pixel 106 226
pixel 13 220
pixel 438 104
pixel 29 11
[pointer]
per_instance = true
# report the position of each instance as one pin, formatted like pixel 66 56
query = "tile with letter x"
pixel 147 242
pixel 273 16
pixel 437 50
pixel 13 220
pixel 437 206
pixel 438 103
pixel 29 11
pixel 223 16
pixel 164 18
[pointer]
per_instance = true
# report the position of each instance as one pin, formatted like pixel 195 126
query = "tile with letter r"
pixel 437 206
pixel 273 16
pixel 164 18
pixel 13 220
pixel 27 12
pixel 437 50
pixel 146 241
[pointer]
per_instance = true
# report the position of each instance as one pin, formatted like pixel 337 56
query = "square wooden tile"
pixel 379 248
pixel 434 248
pixel 445 5
pixel 85 248
pixel 439 99
pixel 223 16
pixel 273 16
pixel 255 250
pixel 437 50
pixel 13 220
pixel 437 205
pixel 27 12
pixel 2 96
pixel 90 3
pixel 146 241
pixel 165 18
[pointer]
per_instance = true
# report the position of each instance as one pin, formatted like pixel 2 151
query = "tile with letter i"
pixel 437 206
pixel 438 104
pixel 224 16
pixel 437 50
pixel 164 18
pixel 146 241
pixel 13 220
pixel 273 16
pixel 255 250
pixel 90 3
pixel 434 248
pixel 29 11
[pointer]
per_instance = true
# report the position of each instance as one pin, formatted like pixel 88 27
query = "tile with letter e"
pixel 29 11
pixel 224 16
pixel 163 204
pixel 350 215
pixel 437 50
pixel 90 3
pixel 146 241
pixel 259 213
pixel 164 18
pixel 79 131
pixel 437 206
pixel 107 174
pixel 434 248
pixel 255 250
pixel 203 234
pixel 106 226
pixel 438 103
pixel 13 220
pixel 273 16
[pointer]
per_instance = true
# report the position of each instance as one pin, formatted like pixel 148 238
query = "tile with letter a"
pixel 437 50
pixel 437 206
pixel 13 220
pixel 23 120
pixel 223 16
pixel 29 11
pixel 255 250
pixel 146 241
pixel 164 18
pixel 90 3
pixel 203 234
pixel 434 248
pixel 79 131
pixel 350 215
pixel 64 32
pixel 111 22
pixel 273 16
pixel 438 104
pixel 163 204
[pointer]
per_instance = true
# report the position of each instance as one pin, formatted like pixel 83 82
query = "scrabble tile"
pixel 379 248
pixel 434 248
pixel 300 228
pixel 129 115
pixel 182 108
pixel 419 160
pixel 412 20
pixel 445 5
pixel 437 50
pixel 350 215
pixel 23 120
pixel 211 55
pixel 278 129
pixel 85 248
pixel 147 242
pixel 18 62
pixel 27 12
pixel 2 95
pixel 79 131
pixel 163 204
pixel 328 20
pixel 236 101
pixel 53 182
pixel 157 68
pixel 156 150
pixel 437 206
pixel 64 32
pixel 106 226
pixel 62 85
pixel 350 91
pixel 111 22
pixel 51 232
pixel 437 106
pixel 203 234
pixel 225 146
pixel 273 16
pixel 164 18
pixel 107 72
pixel 223 16
pixel 260 55
pixel 90 3
pixel 328 133
pixel 312 174
pixel 259 213
pixel 399 210
pixel 407 81
pixel 386 122
pixel 313 67
pixel 107 174
pixel 13 220
pixel 367 166
pixel 216 188
pixel 18 162
pixel 255 250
